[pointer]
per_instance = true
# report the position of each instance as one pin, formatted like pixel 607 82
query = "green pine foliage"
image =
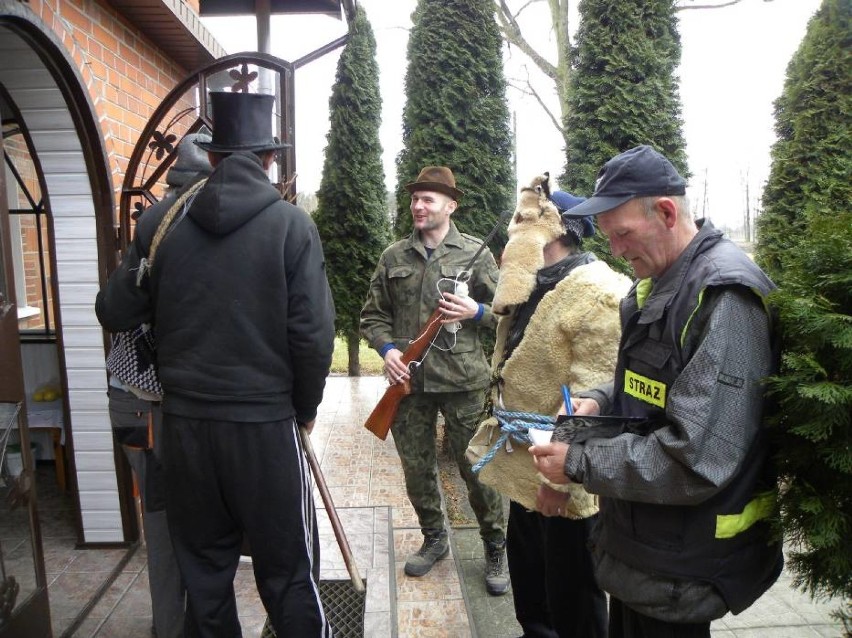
pixel 623 92
pixel 352 215
pixel 805 244
pixel 812 112
pixel 456 113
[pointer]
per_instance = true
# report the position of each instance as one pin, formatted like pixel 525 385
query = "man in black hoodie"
pixel 233 282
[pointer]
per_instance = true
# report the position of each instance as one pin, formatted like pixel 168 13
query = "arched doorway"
pixel 57 211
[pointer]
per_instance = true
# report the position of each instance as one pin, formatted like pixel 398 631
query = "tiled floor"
pixel 366 483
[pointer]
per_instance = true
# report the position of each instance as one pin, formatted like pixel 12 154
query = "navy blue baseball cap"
pixel 580 226
pixel 639 172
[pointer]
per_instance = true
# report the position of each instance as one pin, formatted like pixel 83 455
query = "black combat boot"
pixel 496 580
pixel 435 546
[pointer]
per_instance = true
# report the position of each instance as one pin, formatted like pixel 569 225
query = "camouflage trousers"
pixel 414 433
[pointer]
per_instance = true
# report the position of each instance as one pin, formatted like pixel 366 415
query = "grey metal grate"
pixel 344 608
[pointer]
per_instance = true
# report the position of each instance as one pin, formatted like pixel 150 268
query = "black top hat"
pixel 242 122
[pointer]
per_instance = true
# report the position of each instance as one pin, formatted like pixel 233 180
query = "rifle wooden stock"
pixel 381 418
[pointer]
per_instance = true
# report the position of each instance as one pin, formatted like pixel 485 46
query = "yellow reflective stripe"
pixel 761 506
pixel 645 389
pixel 643 289
pixel 691 316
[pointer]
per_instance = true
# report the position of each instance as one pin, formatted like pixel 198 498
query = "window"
pixel 28 222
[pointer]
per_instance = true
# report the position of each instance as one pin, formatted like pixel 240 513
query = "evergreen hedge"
pixel 805 244
pixel 352 214
pixel 456 113
pixel 623 92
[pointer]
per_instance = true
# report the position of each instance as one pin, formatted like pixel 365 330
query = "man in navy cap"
pixel 685 489
pixel 237 293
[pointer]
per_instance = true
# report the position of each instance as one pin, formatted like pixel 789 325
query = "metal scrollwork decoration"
pixel 162 144
pixel 185 110
pixel 242 79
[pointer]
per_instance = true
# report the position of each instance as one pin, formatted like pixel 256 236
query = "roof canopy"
pixel 248 7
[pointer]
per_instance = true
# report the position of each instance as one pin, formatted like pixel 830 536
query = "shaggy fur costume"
pixel 536 222
pixel 572 339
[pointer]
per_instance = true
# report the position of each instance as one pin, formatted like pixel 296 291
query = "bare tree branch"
pixel 684 7
pixel 527 88
pixel 511 31
pixel 521 10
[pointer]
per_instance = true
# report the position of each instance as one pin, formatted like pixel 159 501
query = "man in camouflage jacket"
pixel 413 277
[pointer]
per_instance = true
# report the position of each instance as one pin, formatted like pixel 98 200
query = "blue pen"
pixel 566 394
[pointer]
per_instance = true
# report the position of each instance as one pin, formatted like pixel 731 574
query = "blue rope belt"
pixel 517 426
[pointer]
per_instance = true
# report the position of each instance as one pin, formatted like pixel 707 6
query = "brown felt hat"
pixel 436 178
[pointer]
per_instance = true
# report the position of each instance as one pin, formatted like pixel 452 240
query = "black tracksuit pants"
pixel 226 480
pixel 553 581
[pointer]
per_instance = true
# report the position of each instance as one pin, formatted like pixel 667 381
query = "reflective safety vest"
pixel 723 540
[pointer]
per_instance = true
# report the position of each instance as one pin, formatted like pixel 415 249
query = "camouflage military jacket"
pixel 404 291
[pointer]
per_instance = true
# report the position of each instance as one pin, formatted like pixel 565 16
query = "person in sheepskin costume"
pixel 559 325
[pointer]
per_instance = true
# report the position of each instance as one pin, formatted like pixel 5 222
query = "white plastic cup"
pixel 15 460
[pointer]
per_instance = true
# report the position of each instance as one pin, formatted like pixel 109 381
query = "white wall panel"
pixel 76 250
pixel 75 227
pixel 101 535
pixel 90 400
pixel 99 501
pixel 79 295
pixel 58 140
pixel 67 183
pixel 39 98
pixel 82 336
pixel 97 461
pixel 58 122
pixel 92 478
pixel 62 162
pixel 79 315
pixel 72 206
pixel 92 441
pixel 86 357
pixel 84 379
pixel 91 422
pixel 102 523
pixel 76 272
pixel 28 78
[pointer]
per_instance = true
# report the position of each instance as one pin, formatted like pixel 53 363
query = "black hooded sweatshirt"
pixel 238 298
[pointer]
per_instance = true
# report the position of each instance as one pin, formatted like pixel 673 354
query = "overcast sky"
pixel 733 65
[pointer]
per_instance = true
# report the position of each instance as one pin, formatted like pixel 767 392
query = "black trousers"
pixel 226 480
pixel 625 622
pixel 129 417
pixel 553 582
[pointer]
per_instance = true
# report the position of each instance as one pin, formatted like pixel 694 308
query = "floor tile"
pixel 367 486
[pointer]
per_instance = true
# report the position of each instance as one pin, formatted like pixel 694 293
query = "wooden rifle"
pixel 381 418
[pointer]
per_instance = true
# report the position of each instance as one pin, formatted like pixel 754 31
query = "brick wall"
pixel 127 78
pixel 127 75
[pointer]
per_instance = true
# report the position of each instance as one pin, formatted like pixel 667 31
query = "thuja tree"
pixel 352 216
pixel 805 244
pixel 623 91
pixel 456 113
